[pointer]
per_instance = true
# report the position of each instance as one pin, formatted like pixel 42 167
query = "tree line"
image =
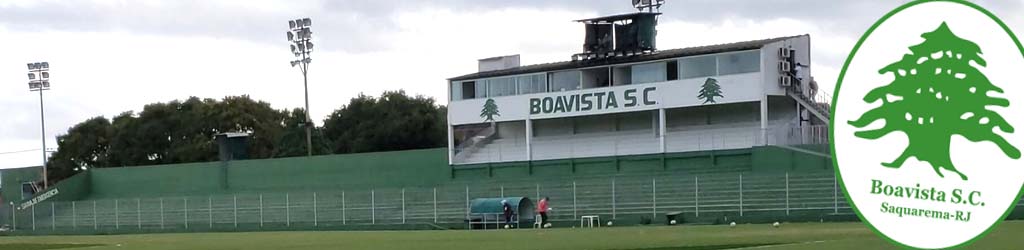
pixel 183 131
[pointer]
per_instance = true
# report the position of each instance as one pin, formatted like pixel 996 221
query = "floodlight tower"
pixel 39 80
pixel 651 6
pixel 301 37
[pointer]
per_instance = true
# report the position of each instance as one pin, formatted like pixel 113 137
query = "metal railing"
pixel 697 196
pixel 793 135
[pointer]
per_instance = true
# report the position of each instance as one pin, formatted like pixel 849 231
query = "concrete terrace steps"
pixel 631 142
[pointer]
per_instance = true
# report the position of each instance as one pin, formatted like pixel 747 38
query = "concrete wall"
pixel 411 168
pixel 707 162
pixel 390 174
pixel 632 121
pixel 76 187
pixel 512 130
pixel 11 179
pixel 770 64
pixel 401 168
pixel 771 159
pixel 414 168
pixel 156 180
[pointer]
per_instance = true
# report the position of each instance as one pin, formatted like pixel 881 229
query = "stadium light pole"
pixel 301 37
pixel 39 80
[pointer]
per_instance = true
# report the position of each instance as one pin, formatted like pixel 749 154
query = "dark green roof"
pixel 658 55
pixel 619 17
pixel 523 205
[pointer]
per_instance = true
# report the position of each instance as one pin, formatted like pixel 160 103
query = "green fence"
pixel 623 199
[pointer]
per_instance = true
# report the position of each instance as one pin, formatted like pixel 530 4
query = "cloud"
pixel 362 24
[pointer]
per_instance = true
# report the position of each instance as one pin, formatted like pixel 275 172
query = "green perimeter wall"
pixel 74 188
pixel 11 179
pixel 772 159
pixel 400 168
pixel 414 168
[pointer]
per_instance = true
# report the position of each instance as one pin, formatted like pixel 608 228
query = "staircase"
pixel 820 104
pixel 464 151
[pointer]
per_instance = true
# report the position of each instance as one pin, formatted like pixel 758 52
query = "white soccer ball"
pixel 548 225
pixel 609 223
pixel 732 224
pixel 672 222
pixel 506 226
pixel 776 224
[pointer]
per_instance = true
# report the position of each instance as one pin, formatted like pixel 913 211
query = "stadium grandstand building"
pixel 623 97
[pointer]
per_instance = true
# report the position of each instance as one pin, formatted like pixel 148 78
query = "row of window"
pixel 685 68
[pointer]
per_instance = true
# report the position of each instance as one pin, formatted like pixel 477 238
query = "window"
pixel 596 78
pixel 738 63
pixel 480 87
pixel 622 75
pixel 533 84
pixel 565 81
pixel 468 90
pixel 28 189
pixel 501 86
pixel 672 70
pixel 648 73
pixel 694 67
pixel 456 91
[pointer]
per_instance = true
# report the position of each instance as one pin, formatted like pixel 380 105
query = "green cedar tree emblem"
pixel 710 90
pixel 489 111
pixel 937 93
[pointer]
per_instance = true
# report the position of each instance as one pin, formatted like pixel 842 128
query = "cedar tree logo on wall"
pixel 489 111
pixel 710 90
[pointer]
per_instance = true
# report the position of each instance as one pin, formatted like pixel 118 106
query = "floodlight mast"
pixel 651 6
pixel 39 80
pixel 301 37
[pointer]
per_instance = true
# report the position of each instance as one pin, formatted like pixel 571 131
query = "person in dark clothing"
pixel 507 209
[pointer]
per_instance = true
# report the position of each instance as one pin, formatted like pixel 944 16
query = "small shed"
pixel 233 146
pixel 487 212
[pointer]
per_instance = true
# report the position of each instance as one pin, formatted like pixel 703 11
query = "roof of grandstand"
pixel 658 55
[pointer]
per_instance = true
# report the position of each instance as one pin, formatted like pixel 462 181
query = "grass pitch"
pixel 790 236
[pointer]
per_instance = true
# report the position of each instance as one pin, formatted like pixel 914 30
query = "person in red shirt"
pixel 542 209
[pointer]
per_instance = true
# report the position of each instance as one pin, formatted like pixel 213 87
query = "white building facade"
pixel 716 97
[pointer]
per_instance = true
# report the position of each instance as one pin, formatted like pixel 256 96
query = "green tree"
pixel 243 114
pixel 172 132
pixel 292 142
pixel 85 145
pixel 395 121
pixel 709 90
pixel 183 131
pixel 489 111
pixel 936 94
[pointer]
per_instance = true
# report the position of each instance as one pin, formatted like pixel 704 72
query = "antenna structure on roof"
pixel 650 6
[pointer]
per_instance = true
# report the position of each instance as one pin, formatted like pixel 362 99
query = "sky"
pixel 112 56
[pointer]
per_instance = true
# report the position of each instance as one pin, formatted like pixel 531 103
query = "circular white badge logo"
pixel 924 124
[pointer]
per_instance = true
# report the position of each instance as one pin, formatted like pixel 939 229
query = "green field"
pixel 789 236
